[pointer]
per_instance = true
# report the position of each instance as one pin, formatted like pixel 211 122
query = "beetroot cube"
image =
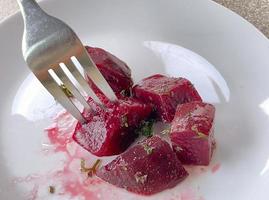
pixel 192 133
pixel 109 131
pixel 165 94
pixel 115 71
pixel 146 168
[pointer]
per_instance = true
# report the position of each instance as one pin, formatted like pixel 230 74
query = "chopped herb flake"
pixel 124 121
pixel 194 128
pixel 199 134
pixel 124 93
pixel 148 149
pixel 178 149
pixel 67 92
pixel 140 178
pixel 165 131
pixel 189 114
pixel 145 128
pixel 124 166
pixel 90 171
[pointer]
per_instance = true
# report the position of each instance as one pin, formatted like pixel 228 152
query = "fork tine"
pixel 67 82
pixel 80 79
pixel 56 91
pixel 93 72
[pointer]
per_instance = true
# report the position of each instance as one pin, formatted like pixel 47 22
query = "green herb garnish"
pixel 146 128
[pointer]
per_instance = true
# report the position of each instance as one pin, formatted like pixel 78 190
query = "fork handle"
pixel 30 9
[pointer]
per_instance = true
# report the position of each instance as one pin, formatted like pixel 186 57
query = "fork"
pixel 57 57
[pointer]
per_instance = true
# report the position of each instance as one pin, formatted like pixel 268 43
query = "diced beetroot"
pixel 111 130
pixel 165 94
pixel 115 71
pixel 146 168
pixel 192 133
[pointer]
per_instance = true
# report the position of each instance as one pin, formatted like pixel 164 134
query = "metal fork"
pixel 51 49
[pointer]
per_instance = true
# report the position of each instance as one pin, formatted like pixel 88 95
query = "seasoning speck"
pixel 51 189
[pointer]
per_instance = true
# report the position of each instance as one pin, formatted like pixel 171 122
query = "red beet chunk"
pixel 115 71
pixel 192 133
pixel 165 94
pixel 111 130
pixel 146 168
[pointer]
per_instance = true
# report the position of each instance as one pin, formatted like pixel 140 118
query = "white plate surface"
pixel 149 36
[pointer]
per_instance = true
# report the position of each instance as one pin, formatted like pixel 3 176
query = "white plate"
pixel 240 166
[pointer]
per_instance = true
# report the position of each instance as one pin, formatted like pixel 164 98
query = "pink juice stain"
pixel 188 194
pixel 34 193
pixel 215 168
pixel 68 178
pixel 195 171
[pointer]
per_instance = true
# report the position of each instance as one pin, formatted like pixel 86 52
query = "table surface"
pixel 255 11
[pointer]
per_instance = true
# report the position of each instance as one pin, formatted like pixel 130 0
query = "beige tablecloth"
pixel 255 11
